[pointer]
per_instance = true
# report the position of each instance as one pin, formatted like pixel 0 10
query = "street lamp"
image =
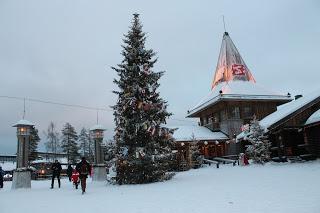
pixel 99 170
pixel 22 174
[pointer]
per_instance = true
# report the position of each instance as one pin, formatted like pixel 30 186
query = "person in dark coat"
pixel 69 172
pixel 56 170
pixel 1 177
pixel 84 170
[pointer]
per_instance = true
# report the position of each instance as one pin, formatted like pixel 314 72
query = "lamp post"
pixel 22 174
pixel 99 167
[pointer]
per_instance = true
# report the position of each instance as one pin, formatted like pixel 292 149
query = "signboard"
pixel 238 69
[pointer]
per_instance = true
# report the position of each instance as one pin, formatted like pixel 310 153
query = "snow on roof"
pixel 237 90
pixel 186 133
pixel 97 127
pixel 315 117
pixel 288 108
pixel 23 123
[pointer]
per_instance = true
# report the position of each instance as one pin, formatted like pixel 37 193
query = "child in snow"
pixel 75 178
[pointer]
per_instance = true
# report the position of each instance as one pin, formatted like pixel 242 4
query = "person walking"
pixel 84 170
pixel 69 172
pixel 56 170
pixel 75 178
pixel 1 177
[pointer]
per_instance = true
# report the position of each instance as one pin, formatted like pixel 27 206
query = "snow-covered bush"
pixel 259 150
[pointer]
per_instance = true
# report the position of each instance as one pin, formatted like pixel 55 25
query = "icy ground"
pixel 274 188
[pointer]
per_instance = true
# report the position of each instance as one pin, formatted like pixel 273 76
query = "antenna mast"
pixel 24 108
pixel 224 24
pixel 97 116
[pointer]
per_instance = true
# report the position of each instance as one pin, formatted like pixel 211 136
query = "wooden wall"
pixel 231 125
pixel 312 138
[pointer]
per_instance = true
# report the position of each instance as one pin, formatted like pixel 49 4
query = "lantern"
pixel 206 143
pixel 23 127
pixel 99 170
pixel 22 175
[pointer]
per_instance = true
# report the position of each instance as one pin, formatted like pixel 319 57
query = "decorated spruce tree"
pixel 259 150
pixel 143 144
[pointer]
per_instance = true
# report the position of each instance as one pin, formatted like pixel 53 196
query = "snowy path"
pixel 293 188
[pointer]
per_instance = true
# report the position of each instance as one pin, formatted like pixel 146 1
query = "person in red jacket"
pixel 245 160
pixel 75 178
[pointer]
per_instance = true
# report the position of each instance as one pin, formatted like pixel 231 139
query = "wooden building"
pixel 312 133
pixel 192 139
pixel 287 130
pixel 235 97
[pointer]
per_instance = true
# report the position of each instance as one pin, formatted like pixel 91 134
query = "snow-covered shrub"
pixel 259 150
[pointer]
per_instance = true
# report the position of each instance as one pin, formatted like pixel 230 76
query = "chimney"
pixel 297 97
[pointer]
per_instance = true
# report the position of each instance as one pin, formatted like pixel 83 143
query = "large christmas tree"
pixel 143 144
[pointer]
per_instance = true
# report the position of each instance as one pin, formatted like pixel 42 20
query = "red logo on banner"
pixel 238 69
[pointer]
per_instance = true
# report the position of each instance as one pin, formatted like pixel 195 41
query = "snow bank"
pixel 276 188
pixel 8 166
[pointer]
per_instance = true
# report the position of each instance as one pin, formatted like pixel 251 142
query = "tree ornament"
pixel 139 104
pixel 146 107
pixel 144 126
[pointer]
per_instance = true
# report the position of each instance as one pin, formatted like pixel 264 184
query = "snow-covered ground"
pixel 275 188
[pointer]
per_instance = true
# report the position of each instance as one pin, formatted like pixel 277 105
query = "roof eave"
pixel 195 113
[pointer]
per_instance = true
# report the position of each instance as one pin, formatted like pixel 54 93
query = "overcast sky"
pixel 62 51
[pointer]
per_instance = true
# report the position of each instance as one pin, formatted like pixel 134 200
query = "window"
pixel 216 118
pixel 247 112
pixel 223 115
pixel 234 113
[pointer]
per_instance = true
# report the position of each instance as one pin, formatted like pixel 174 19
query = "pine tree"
pixel 52 144
pixel 143 145
pixel 33 145
pixel 196 157
pixel 110 150
pixel 259 150
pixel 69 143
pixel 86 145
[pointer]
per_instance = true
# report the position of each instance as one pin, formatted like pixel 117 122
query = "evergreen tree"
pixel 86 145
pixel 259 150
pixel 110 150
pixel 196 157
pixel 33 145
pixel 52 144
pixel 69 143
pixel 143 145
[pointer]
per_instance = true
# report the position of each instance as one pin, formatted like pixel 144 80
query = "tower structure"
pixel 99 167
pixel 22 174
pixel 235 96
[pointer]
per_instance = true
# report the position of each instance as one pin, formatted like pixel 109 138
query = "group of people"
pixel 77 175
